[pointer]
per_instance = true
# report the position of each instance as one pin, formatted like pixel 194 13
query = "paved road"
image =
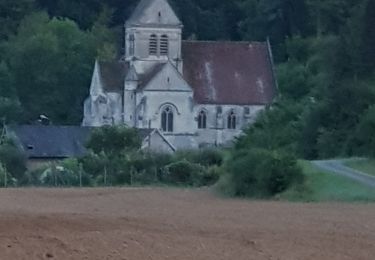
pixel 338 167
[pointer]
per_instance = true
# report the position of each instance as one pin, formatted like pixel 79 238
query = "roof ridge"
pixel 226 41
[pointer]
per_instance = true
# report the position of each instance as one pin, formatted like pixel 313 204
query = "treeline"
pixel 115 158
pixel 324 51
pixel 327 92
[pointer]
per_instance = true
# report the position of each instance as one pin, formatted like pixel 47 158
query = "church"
pixel 196 93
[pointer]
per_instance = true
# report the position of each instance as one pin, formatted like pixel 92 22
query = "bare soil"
pixel 177 224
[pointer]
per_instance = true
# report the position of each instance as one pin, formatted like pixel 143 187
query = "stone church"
pixel 197 93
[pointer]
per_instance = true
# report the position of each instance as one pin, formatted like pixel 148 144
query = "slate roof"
pixel 233 73
pixel 57 142
pixel 236 73
pixel 144 79
pixel 146 13
pixel 112 75
pixel 51 141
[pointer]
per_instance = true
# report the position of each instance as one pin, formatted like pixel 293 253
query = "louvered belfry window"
pixel 153 45
pixel 164 45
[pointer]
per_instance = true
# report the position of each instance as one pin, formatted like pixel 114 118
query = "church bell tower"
pixel 153 34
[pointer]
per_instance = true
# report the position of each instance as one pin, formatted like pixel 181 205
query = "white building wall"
pixel 217 132
pixel 180 102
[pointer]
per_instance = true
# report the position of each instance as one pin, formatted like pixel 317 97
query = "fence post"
pixel 55 175
pixel 80 175
pixel 5 178
pixel 105 175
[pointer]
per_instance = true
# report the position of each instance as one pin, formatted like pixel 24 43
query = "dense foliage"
pixel 115 158
pixel 12 160
pixel 260 173
pixel 324 53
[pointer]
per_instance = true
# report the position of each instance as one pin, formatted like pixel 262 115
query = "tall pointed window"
pixel 153 45
pixel 167 119
pixel 164 45
pixel 202 120
pixel 232 120
pixel 131 45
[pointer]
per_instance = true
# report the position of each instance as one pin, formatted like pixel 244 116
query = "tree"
pixel 113 140
pixel 368 37
pixel 276 19
pixel 10 110
pixel 13 160
pixel 11 14
pixel 51 63
pixel 6 82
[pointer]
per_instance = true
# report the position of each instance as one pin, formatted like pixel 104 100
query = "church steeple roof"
pixel 154 13
pixel 132 74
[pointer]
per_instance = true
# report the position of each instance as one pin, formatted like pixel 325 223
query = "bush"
pixel 68 173
pixel 149 168
pixel 13 160
pixel 184 172
pixel 113 140
pixel 210 157
pixel 210 176
pixel 205 157
pixel 6 177
pixel 259 173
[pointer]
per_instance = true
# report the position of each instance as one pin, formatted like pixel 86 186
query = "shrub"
pixel 210 176
pixel 68 173
pixel 210 157
pixel 32 178
pixel 13 160
pixel 148 168
pixel 260 173
pixel 205 157
pixel 114 139
pixel 6 177
pixel 184 172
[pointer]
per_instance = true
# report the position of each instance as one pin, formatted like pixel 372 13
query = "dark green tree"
pixel 51 63
pixel 11 14
pixel 113 140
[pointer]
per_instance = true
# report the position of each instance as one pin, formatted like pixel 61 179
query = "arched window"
pixel 167 119
pixel 202 120
pixel 153 45
pixel 232 120
pixel 164 45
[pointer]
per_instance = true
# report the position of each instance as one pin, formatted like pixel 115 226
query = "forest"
pixel 323 51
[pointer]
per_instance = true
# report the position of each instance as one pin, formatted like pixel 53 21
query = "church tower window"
pixel 164 45
pixel 131 44
pixel 232 120
pixel 153 45
pixel 167 120
pixel 202 120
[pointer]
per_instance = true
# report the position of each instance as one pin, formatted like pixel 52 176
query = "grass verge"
pixel 321 186
pixel 363 165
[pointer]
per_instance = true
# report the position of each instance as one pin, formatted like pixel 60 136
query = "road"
pixel 338 167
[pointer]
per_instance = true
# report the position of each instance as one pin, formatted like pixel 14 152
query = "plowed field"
pixel 177 224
